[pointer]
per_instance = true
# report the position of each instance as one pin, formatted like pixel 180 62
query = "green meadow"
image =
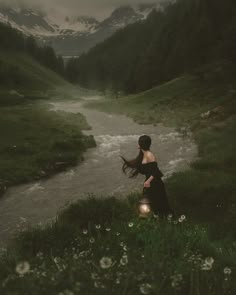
pixel 207 190
pixel 36 142
pixel 100 246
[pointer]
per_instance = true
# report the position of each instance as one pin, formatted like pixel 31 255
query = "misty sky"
pixel 97 8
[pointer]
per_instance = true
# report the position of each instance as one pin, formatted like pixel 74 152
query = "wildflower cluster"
pixel 207 263
pixel 102 256
pixel 176 280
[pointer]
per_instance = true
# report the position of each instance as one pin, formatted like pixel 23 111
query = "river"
pixel 99 174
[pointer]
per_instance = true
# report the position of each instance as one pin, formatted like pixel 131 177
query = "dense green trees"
pixel 13 40
pixel 185 36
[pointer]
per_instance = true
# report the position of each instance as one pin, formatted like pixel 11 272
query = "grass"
pixel 208 189
pixel 22 72
pixel 37 142
pixel 99 246
pixel 23 79
pixel 175 103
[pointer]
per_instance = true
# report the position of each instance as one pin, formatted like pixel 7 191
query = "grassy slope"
pixel 34 141
pixel 147 257
pixel 29 74
pixel 208 189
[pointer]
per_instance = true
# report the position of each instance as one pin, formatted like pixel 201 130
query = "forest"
pixel 190 36
pixel 14 41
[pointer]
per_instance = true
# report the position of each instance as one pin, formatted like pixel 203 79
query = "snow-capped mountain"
pixel 26 20
pixel 39 24
pixel 73 35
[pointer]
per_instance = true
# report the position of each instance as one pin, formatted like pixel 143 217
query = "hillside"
pixel 207 109
pixel 14 41
pixel 187 35
pixel 35 142
pixel 22 78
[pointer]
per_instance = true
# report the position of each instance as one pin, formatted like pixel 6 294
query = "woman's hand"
pixel 146 184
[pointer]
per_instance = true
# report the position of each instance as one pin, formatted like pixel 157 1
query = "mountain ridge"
pixel 74 34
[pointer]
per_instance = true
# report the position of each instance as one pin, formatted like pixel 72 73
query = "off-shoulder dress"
pixel 156 193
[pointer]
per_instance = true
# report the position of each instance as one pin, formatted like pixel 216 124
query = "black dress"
pixel 156 193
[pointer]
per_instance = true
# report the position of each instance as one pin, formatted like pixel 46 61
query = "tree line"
pixel 15 41
pixel 185 36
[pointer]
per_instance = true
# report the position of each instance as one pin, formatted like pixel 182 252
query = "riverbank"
pixel 207 190
pixel 37 143
pixel 98 174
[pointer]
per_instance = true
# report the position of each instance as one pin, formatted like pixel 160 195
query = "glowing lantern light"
pixel 144 207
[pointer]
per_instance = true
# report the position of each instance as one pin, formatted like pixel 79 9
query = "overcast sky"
pixel 97 8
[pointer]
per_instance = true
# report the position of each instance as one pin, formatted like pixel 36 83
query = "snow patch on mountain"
pixel 72 35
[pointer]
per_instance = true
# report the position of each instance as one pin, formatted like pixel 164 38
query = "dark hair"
pixel 145 143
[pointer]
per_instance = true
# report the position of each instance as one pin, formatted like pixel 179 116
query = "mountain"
pixel 166 45
pixel 73 35
pixel 26 20
pixel 37 23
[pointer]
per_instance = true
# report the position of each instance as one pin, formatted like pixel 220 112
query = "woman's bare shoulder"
pixel 151 157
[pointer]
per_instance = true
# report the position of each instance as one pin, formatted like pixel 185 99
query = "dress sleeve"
pixel 155 171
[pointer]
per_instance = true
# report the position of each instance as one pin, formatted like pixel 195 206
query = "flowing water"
pixel 99 174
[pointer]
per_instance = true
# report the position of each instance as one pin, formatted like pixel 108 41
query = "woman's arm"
pixel 148 181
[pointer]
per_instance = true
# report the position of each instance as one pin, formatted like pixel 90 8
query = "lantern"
pixel 144 207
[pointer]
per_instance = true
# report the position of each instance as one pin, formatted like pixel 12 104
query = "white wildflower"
pixel 92 240
pixel 85 231
pixel 98 226
pixel 125 248
pixel 169 217
pixel 207 265
pixel 57 260
pixel 227 271
pixel 39 255
pixel 22 267
pixel 131 224
pixel 94 276
pixel 182 218
pixel 105 262
pixel 124 260
pixel 145 288
pixel 82 254
pixel 176 280
pixel 98 284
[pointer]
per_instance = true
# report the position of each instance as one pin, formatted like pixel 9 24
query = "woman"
pixel 154 188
